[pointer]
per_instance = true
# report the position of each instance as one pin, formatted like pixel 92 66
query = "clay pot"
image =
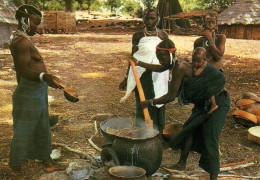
pixel 136 147
pixel 126 173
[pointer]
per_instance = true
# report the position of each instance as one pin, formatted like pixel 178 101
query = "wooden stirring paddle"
pixel 148 121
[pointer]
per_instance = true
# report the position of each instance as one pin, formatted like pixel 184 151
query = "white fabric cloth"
pixel 147 53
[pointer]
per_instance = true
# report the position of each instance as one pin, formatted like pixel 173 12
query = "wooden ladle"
pixel 69 93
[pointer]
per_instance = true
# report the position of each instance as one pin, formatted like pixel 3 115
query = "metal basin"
pixel 127 172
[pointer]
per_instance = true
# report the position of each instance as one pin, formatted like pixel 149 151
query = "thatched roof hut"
pixel 8 23
pixel 241 20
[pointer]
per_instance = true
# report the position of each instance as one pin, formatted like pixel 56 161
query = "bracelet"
pixel 41 76
pixel 151 102
pixel 207 43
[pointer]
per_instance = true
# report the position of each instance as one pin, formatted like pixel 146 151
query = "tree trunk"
pixel 43 4
pixel 169 7
pixel 89 4
pixel 69 5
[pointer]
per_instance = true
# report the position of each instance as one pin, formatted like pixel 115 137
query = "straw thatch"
pixel 8 23
pixel 241 20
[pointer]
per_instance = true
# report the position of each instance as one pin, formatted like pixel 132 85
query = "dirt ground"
pixel 94 63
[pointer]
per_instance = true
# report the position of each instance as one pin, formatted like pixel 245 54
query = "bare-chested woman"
pixel 213 43
pixel 32 136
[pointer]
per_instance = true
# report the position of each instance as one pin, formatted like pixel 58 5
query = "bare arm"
pixel 173 87
pixel 217 50
pixel 151 67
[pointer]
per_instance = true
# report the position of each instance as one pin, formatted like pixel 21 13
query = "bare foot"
pixel 213 108
pixel 178 167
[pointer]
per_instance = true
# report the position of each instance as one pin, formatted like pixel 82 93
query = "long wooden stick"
pixel 147 117
pixel 242 162
pixel 221 169
pixel 90 139
pixel 83 154
pixel 237 176
pixel 237 166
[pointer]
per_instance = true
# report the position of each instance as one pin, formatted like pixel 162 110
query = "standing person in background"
pixel 213 43
pixel 32 135
pixel 143 49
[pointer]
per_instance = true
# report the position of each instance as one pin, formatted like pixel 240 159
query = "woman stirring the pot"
pixel 201 131
pixel 154 84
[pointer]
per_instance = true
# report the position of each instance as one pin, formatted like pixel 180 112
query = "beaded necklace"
pixel 151 33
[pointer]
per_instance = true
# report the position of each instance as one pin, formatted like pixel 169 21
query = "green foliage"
pixel 76 5
pixel 96 5
pixel 223 4
pixel 205 4
pixel 80 1
pixel 43 4
pixel 114 4
pixel 130 7
pixel 148 3
pixel 55 5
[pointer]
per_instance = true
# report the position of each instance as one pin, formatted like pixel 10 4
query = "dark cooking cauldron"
pixel 137 147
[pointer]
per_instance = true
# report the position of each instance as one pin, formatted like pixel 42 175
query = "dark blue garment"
pixel 204 128
pixel 32 136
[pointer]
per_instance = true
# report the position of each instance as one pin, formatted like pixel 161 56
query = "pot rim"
pixel 155 133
